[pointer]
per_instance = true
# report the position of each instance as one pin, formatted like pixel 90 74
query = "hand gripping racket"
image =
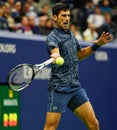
pixel 21 76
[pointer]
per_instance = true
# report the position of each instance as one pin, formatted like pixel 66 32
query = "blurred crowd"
pixel 89 18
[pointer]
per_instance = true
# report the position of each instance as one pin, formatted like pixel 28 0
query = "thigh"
pixel 86 113
pixel 79 97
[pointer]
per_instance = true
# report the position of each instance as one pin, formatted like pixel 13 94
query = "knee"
pixel 94 125
pixel 50 127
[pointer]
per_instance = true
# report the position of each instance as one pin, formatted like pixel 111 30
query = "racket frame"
pixel 35 69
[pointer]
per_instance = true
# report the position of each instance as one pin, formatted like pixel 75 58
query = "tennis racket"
pixel 21 76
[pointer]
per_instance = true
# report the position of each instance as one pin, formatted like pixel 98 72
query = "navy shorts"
pixel 58 101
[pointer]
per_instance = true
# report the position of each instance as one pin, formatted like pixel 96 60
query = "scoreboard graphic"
pixel 9 108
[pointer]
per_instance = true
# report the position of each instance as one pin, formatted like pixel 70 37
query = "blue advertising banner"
pixel 17 51
pixel 97 76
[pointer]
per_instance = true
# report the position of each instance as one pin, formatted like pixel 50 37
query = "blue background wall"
pixel 97 75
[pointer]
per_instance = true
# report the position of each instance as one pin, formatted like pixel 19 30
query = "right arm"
pixel 55 54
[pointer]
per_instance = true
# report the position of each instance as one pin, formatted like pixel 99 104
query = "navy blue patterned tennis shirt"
pixel 67 74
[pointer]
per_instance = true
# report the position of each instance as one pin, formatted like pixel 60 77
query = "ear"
pixel 54 17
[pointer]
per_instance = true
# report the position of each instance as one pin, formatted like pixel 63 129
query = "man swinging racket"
pixel 64 88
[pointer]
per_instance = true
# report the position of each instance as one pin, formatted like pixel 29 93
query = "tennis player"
pixel 64 88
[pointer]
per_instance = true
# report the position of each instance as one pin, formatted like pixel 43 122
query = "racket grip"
pixel 48 62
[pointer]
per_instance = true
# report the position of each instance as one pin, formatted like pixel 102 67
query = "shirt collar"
pixel 62 30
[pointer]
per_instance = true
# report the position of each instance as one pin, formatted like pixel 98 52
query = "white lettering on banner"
pixel 44 74
pixel 7 48
pixel 27 72
pixel 101 56
pixel 10 102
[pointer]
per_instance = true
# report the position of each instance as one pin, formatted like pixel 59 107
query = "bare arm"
pixel 87 51
pixel 55 53
pixel 84 53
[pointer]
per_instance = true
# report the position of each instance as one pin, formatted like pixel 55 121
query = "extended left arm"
pixel 102 40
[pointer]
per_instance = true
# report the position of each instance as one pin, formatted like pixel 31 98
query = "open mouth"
pixel 66 23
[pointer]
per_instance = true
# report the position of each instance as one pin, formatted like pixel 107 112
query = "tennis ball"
pixel 59 61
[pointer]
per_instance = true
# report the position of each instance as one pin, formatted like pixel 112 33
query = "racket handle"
pixel 48 62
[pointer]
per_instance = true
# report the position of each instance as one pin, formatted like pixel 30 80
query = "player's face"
pixel 63 19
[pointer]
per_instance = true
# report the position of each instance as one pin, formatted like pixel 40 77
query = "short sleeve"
pixel 78 45
pixel 52 43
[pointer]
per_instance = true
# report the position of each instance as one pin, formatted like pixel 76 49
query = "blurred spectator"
pixel 96 2
pixel 8 17
pixel 34 27
pixel 109 25
pixel 16 11
pixel 114 15
pixel 74 28
pixel 42 24
pixel 32 6
pixel 96 20
pixel 39 3
pixel 10 4
pixel 24 27
pixel 105 6
pixel 44 10
pixel 83 14
pixel 3 21
pixel 49 26
pixel 90 34
pixel 26 10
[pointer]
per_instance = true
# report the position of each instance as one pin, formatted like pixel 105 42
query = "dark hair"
pixel 58 7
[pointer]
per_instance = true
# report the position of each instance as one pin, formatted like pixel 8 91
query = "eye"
pixel 64 15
